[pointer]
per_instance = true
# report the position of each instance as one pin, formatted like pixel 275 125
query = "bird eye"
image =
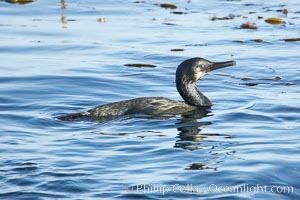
pixel 201 66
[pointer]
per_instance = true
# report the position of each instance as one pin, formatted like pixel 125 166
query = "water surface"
pixel 69 56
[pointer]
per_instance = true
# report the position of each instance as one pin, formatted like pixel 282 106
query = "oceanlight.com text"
pixel 212 188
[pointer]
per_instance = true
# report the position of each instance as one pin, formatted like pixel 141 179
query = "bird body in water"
pixel 187 74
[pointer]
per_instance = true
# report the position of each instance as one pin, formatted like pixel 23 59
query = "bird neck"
pixel 191 95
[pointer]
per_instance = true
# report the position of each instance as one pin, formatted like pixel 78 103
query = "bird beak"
pixel 218 65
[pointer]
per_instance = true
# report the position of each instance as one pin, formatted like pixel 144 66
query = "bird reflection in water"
pixel 190 138
pixel 189 129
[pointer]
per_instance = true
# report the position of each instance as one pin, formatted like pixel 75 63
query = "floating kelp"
pixel 284 11
pixel 257 40
pixel 168 6
pixel 177 49
pixel 250 4
pixel 169 24
pixel 246 79
pixel 101 20
pixel 250 84
pixel 239 41
pixel 63 19
pixel 242 41
pixel 178 12
pixel 276 78
pixel 140 65
pixel 139 2
pixel 274 20
pixel 248 25
pixel 19 1
pixel 291 39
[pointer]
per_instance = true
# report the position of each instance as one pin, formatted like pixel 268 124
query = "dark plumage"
pixel 187 74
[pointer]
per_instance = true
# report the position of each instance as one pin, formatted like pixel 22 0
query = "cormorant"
pixel 187 74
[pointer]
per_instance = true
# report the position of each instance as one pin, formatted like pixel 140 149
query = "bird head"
pixel 193 69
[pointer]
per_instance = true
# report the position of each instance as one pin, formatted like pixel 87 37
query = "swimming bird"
pixel 187 74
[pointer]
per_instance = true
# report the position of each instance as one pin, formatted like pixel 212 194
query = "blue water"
pixel 58 58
